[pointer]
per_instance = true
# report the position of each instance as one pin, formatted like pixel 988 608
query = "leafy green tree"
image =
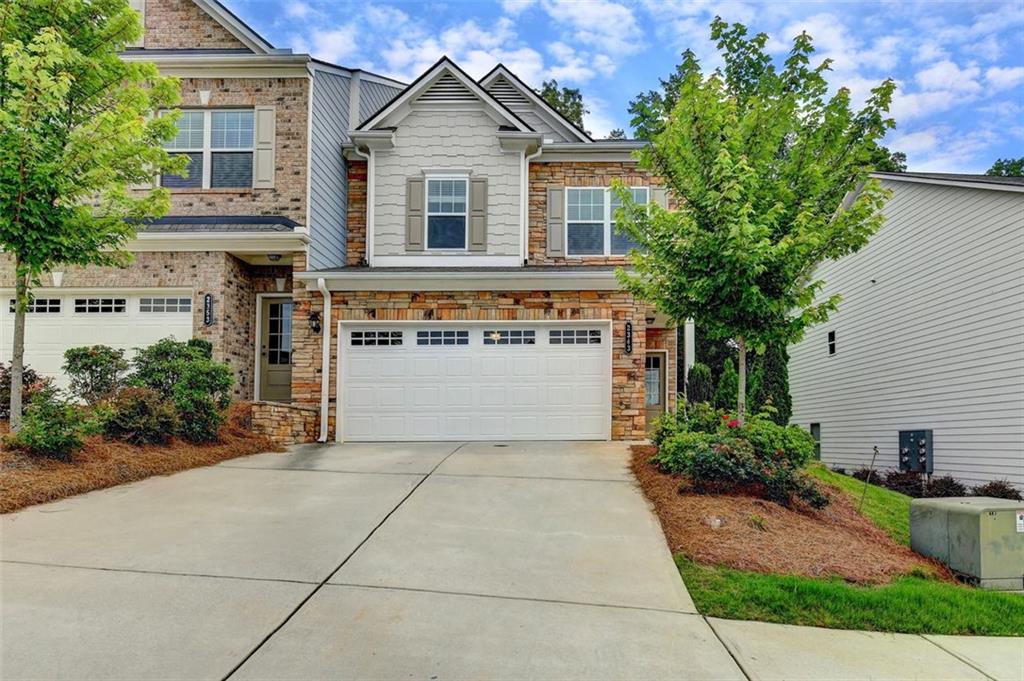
pixel 770 174
pixel 887 161
pixel 772 385
pixel 617 134
pixel 699 387
pixel 1007 167
pixel 728 380
pixel 78 129
pixel 566 101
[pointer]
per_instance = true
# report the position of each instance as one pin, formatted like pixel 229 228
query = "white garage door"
pixel 475 382
pixel 58 321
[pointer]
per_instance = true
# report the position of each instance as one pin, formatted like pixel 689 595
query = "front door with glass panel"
pixel 654 384
pixel 276 350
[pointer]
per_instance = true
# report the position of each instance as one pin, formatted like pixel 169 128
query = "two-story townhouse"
pixel 479 298
pixel 266 192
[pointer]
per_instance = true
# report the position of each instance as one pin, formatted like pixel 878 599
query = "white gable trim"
pixel 545 110
pixel 402 103
pixel 236 27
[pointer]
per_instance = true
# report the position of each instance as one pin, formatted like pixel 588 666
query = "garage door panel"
pixel 475 391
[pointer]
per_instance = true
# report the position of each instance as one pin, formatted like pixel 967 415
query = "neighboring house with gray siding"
pixel 929 333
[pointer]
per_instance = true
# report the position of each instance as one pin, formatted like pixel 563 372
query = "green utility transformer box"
pixel 980 538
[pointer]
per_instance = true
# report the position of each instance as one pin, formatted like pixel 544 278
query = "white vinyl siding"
pixel 929 334
pixel 462 140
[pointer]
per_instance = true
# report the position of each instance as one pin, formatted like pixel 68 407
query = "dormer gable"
pixel 511 91
pixel 444 85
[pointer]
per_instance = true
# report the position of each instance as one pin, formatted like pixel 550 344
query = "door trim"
pixel 256 340
pixel 664 379
pixel 607 324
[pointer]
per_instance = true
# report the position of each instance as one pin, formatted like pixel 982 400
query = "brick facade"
pixel 356 212
pixel 628 420
pixel 182 24
pixel 574 174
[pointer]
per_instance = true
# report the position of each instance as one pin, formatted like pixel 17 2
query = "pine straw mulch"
pixel 27 480
pixel 747 533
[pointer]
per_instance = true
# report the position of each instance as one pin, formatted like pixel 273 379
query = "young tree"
pixel 773 383
pixel 78 128
pixel 1007 167
pixel 699 386
pixel 770 174
pixel 725 393
pixel 566 101
pixel 617 134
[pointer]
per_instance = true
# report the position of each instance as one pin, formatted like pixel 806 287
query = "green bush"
pixel 944 486
pixel 1000 489
pixel 31 384
pixel 50 427
pixel 666 425
pixel 201 346
pixel 200 395
pixel 703 418
pixel 905 482
pixel 95 371
pixel 699 385
pixel 790 442
pixel 676 453
pixel 728 386
pixel 159 366
pixel 770 384
pixel 140 417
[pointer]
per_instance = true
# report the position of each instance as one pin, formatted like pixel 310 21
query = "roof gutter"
pixel 325 360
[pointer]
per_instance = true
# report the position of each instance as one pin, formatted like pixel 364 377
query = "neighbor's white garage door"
pixel 58 321
pixel 475 382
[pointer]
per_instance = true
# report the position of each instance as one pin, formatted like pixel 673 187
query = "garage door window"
pixel 165 305
pixel 99 305
pixel 375 338
pixel 574 336
pixel 510 337
pixel 39 305
pixel 442 338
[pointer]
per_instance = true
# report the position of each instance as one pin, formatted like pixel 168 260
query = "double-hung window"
pixel 219 145
pixel 590 221
pixel 447 199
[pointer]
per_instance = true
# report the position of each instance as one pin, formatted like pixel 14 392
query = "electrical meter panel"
pixel 916 451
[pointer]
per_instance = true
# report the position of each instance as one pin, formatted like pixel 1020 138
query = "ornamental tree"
pixel 770 176
pixel 78 130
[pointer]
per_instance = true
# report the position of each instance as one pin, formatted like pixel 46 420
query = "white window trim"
pixel 208 151
pixel 608 222
pixel 427 179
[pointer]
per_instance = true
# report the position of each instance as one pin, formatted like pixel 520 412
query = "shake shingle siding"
pixel 929 334
pixel 328 177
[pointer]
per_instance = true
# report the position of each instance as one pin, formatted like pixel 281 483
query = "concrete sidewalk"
pixel 431 560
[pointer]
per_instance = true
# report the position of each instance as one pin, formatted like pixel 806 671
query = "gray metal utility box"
pixel 980 538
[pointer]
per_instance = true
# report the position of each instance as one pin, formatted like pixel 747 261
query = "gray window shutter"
pixel 414 214
pixel 264 135
pixel 478 214
pixel 556 221
pixel 659 195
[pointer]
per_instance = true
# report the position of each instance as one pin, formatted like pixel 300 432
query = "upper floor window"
pixel 590 221
pixel 447 199
pixel 219 145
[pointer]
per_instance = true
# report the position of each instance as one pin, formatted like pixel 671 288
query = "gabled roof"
pixel 454 76
pixel 958 179
pixel 236 27
pixel 552 114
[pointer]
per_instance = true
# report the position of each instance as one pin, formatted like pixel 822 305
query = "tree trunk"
pixel 741 396
pixel 18 361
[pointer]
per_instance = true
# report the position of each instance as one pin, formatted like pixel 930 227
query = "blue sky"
pixel 959 65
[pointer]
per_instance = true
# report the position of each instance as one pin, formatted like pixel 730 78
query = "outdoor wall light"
pixel 274 257
pixel 314 322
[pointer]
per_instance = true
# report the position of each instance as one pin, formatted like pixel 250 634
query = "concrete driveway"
pixel 421 561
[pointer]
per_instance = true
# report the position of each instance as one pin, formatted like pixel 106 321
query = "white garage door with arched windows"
pixel 57 320
pixel 480 381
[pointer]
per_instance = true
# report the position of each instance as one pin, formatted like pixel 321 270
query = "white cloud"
pixel 602 23
pixel 599 121
pixel 297 9
pixel 1004 77
pixel 908 106
pixel 940 148
pixel 516 7
pixel 946 75
pixel 930 51
pixel 334 45
pixel 383 16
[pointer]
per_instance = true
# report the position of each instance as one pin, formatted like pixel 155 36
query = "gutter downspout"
pixel 325 360
pixel 524 250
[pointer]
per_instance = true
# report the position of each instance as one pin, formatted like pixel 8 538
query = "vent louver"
pixel 447 90
pixel 507 93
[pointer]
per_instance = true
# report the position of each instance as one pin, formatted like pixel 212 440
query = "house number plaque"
pixel 629 338
pixel 208 309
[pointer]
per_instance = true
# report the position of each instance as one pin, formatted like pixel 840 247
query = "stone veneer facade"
pixel 181 24
pixel 356 241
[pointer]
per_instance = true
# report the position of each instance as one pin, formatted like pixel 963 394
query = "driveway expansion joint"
pixel 728 649
pixel 959 657
pixel 320 470
pixel 531 477
pixel 164 573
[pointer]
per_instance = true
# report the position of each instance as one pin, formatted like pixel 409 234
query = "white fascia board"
pixel 367 280
pixel 227 66
pixel 372 139
pixel 240 242
pixel 520 141
pixel 978 184
pixel 592 151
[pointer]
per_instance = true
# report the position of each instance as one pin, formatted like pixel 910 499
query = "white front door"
pixel 493 381
pixel 58 320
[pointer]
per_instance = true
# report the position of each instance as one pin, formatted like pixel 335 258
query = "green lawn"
pixel 910 604
pixel 887 509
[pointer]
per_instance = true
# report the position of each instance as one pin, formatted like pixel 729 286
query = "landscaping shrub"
pixel 699 385
pixel 667 425
pixel 50 427
pixel 202 346
pixel 138 416
pixel 728 386
pixel 201 393
pixel 945 486
pixel 770 384
pixel 790 442
pixel 95 372
pixel 159 366
pixel 866 474
pixel 703 418
pixel 905 482
pixel 1000 489
pixel 31 384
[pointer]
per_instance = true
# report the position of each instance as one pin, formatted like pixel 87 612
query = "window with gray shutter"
pixel 555 220
pixel 414 204
pixel 478 214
